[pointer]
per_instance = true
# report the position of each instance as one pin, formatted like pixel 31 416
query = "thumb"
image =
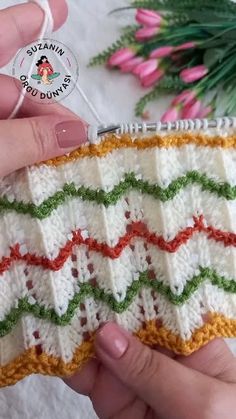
pixel 30 140
pixel 171 389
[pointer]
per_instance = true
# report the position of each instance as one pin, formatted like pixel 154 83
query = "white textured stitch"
pixel 113 167
pixel 144 127
pixel 72 335
pixel 136 128
pixel 92 134
pixel 116 276
pixel 158 127
pixel 176 213
pixel 55 289
pixel 219 123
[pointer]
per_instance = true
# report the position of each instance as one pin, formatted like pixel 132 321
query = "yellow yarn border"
pixel 112 142
pixel 150 334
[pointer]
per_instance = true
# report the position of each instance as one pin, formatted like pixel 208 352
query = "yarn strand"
pixel 48 23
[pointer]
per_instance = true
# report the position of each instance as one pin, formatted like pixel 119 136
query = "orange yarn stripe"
pixel 150 334
pixel 113 143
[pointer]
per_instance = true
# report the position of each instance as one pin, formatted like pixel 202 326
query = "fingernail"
pixel 112 341
pixel 71 133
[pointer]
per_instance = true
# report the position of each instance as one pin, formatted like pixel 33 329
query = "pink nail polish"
pixel 111 340
pixel 71 133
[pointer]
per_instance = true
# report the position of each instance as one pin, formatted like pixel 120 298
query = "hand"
pixel 40 131
pixel 131 381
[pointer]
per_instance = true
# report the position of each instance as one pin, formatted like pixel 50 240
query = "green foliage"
pixel 212 56
pixel 125 40
pixel 211 25
pixel 130 29
pixel 186 6
pixel 225 102
pixel 168 85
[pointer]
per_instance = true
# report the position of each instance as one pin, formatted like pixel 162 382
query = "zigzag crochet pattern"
pixel 135 228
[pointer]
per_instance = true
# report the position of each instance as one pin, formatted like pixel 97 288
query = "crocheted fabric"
pixel 140 230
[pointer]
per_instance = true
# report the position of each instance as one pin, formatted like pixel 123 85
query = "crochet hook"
pixel 181 125
pixel 106 130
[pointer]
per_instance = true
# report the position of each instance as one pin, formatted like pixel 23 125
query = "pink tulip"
pixel 189 75
pixel 145 68
pixel 161 52
pixel 172 114
pixel 186 45
pixel 152 78
pixel 120 56
pixel 129 65
pixel 148 17
pixel 184 98
pixel 191 110
pixel 146 33
pixel 204 112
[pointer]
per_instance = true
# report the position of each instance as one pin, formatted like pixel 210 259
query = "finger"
pixel 83 381
pixel 153 376
pixel 96 381
pixel 20 25
pixel 214 359
pixel 10 93
pixel 29 140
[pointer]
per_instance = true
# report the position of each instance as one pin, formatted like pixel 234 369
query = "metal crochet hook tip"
pixel 111 128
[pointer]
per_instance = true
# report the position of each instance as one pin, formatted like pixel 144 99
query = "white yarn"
pixel 48 23
pixel 47 29
pixel 82 93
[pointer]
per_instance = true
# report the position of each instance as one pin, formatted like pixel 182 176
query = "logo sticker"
pixel 47 71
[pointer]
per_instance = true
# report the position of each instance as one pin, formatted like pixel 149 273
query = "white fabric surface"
pixel 88 30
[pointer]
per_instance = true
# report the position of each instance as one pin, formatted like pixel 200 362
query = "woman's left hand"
pixel 39 131
pixel 128 380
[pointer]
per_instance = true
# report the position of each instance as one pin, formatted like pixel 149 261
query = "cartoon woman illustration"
pixel 45 71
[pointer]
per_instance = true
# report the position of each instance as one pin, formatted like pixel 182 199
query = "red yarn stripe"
pixel 134 230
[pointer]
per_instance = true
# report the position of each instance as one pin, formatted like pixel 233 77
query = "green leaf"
pixel 186 6
pixel 230 92
pixel 212 56
pixel 230 35
pixel 221 102
pixel 212 43
pixel 212 16
pixel 224 36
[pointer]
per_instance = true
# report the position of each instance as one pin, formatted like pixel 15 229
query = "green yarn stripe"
pixel 87 290
pixel 69 191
